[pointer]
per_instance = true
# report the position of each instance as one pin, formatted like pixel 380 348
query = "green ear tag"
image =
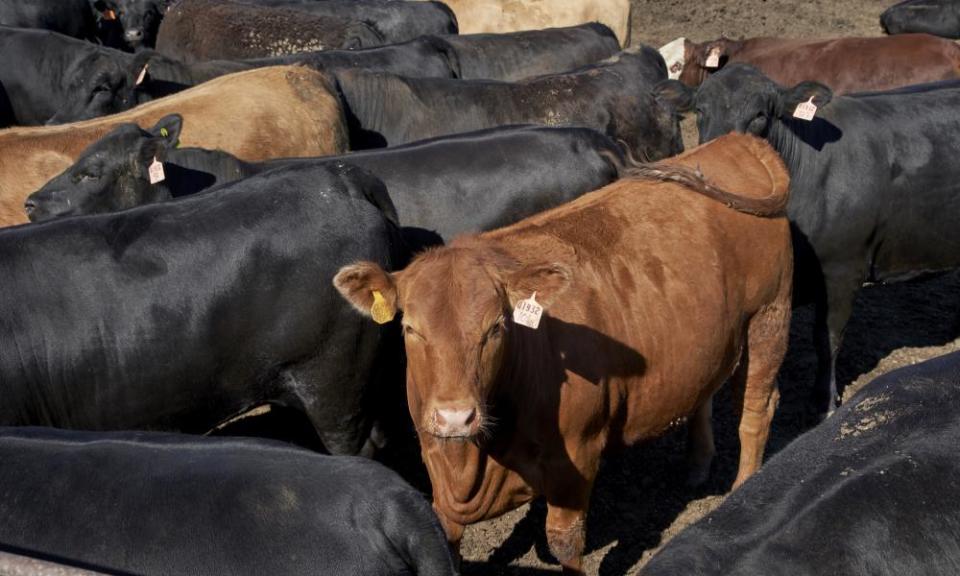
pixel 380 310
pixel 164 133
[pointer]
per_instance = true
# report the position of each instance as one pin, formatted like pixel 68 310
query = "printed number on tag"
pixel 805 110
pixel 713 58
pixel 156 172
pixel 528 312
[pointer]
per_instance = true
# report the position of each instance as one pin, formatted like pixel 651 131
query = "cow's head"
pixel 139 19
pixel 105 82
pixel 740 98
pixel 457 305
pixel 111 174
pixel 692 63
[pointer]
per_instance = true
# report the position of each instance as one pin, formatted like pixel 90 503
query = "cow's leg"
pixel 832 314
pixel 700 448
pixel 567 536
pixel 755 382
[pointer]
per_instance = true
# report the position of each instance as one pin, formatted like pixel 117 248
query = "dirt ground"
pixel 640 500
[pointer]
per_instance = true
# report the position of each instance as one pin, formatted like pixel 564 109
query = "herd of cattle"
pixel 470 226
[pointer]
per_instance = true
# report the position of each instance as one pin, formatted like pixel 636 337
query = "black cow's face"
pixel 100 84
pixel 139 19
pixel 111 174
pixel 740 98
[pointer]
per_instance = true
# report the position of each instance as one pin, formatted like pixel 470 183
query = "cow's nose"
pixel 452 423
pixel 29 206
pixel 133 34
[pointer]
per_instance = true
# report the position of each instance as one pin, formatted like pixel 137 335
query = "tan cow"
pixel 256 115
pixel 655 293
pixel 475 16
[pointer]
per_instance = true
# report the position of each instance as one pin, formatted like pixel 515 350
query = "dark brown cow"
pixel 656 293
pixel 844 64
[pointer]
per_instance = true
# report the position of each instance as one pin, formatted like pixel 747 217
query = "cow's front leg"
pixel 454 534
pixel 567 536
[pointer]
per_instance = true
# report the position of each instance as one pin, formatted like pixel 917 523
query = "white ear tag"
pixel 156 171
pixel 713 58
pixel 143 74
pixel 528 312
pixel 805 110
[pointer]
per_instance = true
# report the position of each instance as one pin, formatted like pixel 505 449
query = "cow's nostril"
pixel 29 206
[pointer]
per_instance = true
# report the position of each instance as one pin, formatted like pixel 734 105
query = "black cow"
pixel 447 186
pixel 395 21
pixel 154 504
pixel 138 20
pixel 181 315
pixel 74 18
pixel 937 17
pixel 873 490
pixel 627 97
pixel 518 55
pixel 875 190
pixel 46 77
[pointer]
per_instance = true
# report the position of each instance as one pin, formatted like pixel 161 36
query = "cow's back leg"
pixel 755 382
pixel 700 447
pixel 833 311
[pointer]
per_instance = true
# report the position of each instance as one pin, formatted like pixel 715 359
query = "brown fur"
pixel 656 294
pixel 198 30
pixel 255 115
pixel 476 16
pixel 844 64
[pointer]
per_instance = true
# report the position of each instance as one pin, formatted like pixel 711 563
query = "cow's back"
pixel 872 490
pixel 667 278
pixel 255 115
pixel 854 64
pixel 171 504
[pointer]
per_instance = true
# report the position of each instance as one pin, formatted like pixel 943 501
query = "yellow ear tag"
pixel 380 310
pixel 164 133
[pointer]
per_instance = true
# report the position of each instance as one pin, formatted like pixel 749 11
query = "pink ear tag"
pixel 528 312
pixel 713 58
pixel 156 171
pixel 805 110
pixel 143 74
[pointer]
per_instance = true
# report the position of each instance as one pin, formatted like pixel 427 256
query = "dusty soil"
pixel 640 500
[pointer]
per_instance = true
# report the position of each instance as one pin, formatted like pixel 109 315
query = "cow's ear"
pixel 370 289
pixel 167 130
pixel 548 281
pixel 803 92
pixel 139 71
pixel 674 94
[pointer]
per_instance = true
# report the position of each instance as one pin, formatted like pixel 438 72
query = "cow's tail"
pixel 772 206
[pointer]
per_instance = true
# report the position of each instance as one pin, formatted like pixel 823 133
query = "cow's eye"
pixel 408 331
pixel 496 330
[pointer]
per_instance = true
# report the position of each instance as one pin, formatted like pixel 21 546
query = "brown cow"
pixel 475 16
pixel 844 64
pixel 257 115
pixel 657 293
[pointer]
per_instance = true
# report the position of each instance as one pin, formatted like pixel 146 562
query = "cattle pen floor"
pixel 640 500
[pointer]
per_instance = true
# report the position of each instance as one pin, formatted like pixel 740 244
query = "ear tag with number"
pixel 713 58
pixel 805 110
pixel 143 74
pixel 156 171
pixel 380 310
pixel 528 312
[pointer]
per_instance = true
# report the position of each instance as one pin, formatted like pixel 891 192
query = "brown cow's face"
pixel 457 328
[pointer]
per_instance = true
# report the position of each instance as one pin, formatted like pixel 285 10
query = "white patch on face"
pixel 674 54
